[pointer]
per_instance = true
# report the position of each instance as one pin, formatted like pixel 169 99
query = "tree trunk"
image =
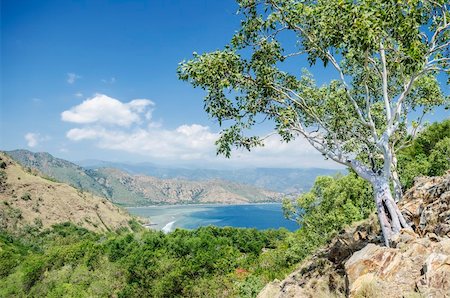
pixel 398 192
pixel 389 215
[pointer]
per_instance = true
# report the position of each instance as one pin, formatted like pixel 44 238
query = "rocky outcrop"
pixel 427 205
pixel 356 264
pixel 416 266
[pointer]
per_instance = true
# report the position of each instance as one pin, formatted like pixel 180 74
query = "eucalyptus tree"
pixel 385 57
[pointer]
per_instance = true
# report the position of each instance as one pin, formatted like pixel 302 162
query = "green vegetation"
pixel 332 204
pixel 26 196
pixel 208 262
pixel 428 154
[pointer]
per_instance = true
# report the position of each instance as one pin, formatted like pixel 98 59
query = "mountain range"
pixel 129 189
pixel 284 180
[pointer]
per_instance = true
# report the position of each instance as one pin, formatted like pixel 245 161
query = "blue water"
pixel 259 216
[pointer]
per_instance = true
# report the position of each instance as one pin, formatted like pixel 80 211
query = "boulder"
pixel 419 265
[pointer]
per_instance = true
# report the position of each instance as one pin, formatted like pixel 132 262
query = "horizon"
pixel 98 80
pixel 87 163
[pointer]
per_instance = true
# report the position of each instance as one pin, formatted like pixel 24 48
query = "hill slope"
pixel 59 169
pixel 30 200
pixel 138 190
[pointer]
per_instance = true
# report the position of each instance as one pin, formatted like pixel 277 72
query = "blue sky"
pixel 58 54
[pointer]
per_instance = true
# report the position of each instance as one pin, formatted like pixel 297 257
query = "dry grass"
pixel 368 287
pixel 27 199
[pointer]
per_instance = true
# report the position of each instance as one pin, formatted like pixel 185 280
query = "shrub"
pixel 26 196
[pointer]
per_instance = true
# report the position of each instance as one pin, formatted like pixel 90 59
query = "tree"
pixel 385 55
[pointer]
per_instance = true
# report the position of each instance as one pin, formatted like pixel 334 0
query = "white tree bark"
pixel 398 192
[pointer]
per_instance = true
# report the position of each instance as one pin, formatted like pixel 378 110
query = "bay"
pixel 259 216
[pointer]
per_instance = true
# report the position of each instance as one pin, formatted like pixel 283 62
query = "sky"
pixel 97 80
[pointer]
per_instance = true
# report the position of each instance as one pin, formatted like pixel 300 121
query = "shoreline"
pixel 200 205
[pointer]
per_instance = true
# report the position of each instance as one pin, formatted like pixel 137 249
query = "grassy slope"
pixel 30 200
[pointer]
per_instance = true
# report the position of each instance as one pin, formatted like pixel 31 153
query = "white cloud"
pixel 128 127
pixel 102 109
pixel 72 77
pixel 78 94
pixel 185 142
pixel 33 139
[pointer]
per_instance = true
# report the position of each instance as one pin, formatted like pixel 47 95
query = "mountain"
pixel 137 190
pixel 127 189
pixel 29 200
pixel 288 181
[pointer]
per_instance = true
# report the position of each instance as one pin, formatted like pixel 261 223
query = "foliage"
pixel 380 51
pixel 427 155
pixel 332 203
pixel 207 262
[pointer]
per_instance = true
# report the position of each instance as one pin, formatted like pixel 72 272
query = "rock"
pixel 422 264
pixel 404 237
pixel 426 205
pixel 322 275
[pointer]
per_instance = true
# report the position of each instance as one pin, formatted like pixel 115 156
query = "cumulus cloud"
pixel 72 77
pixel 128 127
pixel 185 142
pixel 33 139
pixel 102 109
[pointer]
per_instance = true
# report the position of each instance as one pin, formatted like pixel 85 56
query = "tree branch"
pixel 384 77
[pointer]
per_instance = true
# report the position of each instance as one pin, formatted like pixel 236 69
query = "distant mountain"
pixel 288 181
pixel 128 189
pixel 29 200
pixel 138 190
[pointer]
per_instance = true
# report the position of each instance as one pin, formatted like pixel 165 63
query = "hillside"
pixel 138 190
pixel 30 200
pixel 356 263
pixel 59 169
pixel 127 189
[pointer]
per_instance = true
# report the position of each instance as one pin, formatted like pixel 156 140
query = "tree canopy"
pixel 385 56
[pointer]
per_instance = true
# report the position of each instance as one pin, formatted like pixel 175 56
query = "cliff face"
pixel 356 264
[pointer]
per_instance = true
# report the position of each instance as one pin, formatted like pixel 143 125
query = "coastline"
pixel 189 216
pixel 200 205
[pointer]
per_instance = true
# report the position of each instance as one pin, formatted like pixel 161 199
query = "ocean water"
pixel 260 216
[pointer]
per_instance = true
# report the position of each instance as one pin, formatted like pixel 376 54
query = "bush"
pixel 428 154
pixel 26 196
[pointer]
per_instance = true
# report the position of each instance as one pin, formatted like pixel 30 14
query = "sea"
pixel 259 216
